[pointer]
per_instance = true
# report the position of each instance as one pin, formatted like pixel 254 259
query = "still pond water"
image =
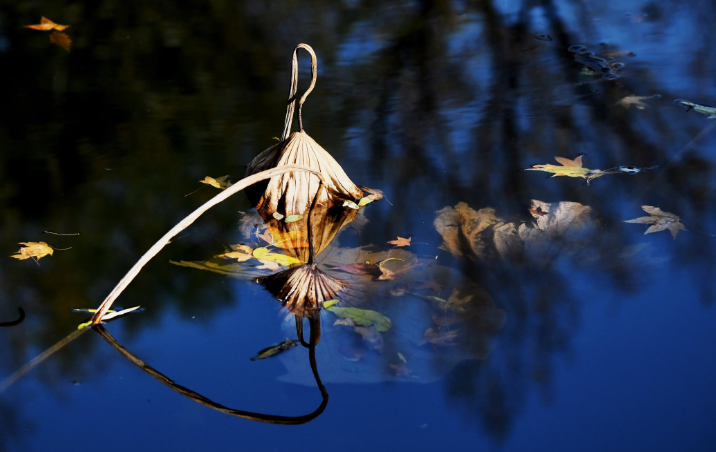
pixel 525 315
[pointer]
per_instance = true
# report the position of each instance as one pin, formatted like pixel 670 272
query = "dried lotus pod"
pixel 294 193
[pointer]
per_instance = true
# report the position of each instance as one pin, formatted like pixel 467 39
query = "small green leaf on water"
pixel 363 317
pixel 293 218
pixel 364 201
pixel 328 303
pixel 350 204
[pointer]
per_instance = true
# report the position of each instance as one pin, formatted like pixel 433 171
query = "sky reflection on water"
pixel 433 103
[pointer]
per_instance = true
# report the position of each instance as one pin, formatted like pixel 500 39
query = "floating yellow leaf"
pixel 46 24
pixel 264 254
pixel 219 182
pixel 364 201
pixel 36 250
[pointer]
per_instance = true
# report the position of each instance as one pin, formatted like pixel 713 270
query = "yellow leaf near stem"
pixel 36 250
pixel 263 254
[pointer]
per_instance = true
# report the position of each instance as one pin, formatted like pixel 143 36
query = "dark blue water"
pixel 595 338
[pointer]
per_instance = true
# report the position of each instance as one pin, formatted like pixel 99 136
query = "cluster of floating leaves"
pixel 57 36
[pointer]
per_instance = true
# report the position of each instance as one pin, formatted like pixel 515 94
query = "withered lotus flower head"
pixel 295 193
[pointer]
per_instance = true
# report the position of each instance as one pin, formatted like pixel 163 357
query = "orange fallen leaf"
pixel 61 39
pixel 46 24
pixel 537 212
pixel 401 241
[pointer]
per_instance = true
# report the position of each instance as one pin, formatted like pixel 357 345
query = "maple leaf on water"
pixel 219 182
pixel 36 250
pixel 569 168
pixel 46 24
pixel 660 221
pixel 401 241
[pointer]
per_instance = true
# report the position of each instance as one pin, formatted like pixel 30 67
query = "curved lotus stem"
pixel 294 88
pixel 195 396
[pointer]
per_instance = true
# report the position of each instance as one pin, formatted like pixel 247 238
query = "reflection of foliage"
pixel 153 98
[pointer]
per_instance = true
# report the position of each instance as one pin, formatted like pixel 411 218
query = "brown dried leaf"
pixel 46 25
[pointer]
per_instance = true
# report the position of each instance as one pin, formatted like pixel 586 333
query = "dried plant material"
pixel 46 25
pixel 660 221
pixel 186 222
pixel 569 168
pixel 263 254
pixel 636 101
pixel 277 216
pixel 706 110
pixel 35 250
pixel 358 269
pixel 351 205
pixel 242 253
pixel 61 39
pixel 303 289
pixel 275 349
pixel 219 182
pixel 462 225
pixel 297 192
pixel 401 241
pixel 108 316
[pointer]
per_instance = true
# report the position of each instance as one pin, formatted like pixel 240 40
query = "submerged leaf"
pixel 275 349
pixel 362 317
pixel 437 338
pixel 660 221
pixel 61 39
